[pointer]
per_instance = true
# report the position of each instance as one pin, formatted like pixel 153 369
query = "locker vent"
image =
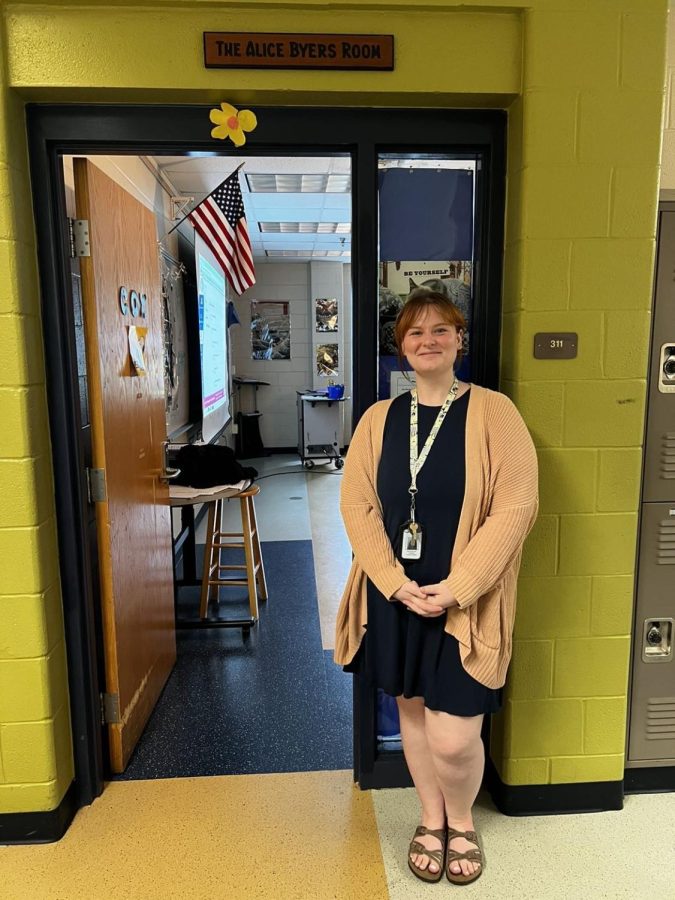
pixel 668 455
pixel 660 718
pixel 665 553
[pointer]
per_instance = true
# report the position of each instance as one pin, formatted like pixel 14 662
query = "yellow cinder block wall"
pixel 580 241
pixel 35 745
pixel 585 136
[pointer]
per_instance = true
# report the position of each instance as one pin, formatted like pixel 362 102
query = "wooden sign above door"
pixel 244 50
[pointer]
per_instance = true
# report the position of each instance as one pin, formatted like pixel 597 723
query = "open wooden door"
pixel 128 431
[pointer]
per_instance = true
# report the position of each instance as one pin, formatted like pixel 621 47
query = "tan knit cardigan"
pixel 499 508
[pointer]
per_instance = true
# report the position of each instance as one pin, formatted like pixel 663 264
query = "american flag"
pixel 221 221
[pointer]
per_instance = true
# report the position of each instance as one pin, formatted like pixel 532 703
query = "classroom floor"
pixel 242 787
pixel 275 702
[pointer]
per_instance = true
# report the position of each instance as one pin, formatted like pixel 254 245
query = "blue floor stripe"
pixel 273 703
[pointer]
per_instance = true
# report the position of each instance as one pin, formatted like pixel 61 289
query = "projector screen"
pixel 212 341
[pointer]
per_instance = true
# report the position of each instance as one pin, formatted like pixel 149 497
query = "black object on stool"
pixel 208 465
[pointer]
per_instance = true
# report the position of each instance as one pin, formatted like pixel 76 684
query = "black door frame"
pixel 55 130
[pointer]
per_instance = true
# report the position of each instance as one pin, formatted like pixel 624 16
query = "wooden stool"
pixel 250 543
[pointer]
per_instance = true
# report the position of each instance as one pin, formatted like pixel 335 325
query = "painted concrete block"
pixel 643 49
pixel 567 480
pixel 25 794
pixel 601 544
pixel 524 771
pixel 634 201
pixel 512 288
pixel 26 489
pixel 31 797
pixel 32 552
pixel 604 414
pixel 612 274
pixel 32 689
pixel 605 725
pixel 16 205
pixel 25 630
pixel 612 604
pixel 28 751
pixel 593 666
pixel 549 121
pixel 514 134
pixel 545 727
pixel 511 347
pixel 530 670
pixel 620 126
pixel 562 47
pixel 668 157
pixel 546 274
pixel 541 405
pixel 619 479
pixel 553 607
pixel 571 769
pixel 515 227
pixel 566 201
pixel 19 293
pixel 20 351
pixel 626 350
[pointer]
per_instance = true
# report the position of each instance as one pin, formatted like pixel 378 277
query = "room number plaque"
pixel 556 345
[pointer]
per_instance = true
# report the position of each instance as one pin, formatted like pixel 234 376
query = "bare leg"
pixel 459 758
pixel 421 767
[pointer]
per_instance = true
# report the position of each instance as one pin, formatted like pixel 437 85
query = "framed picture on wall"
pixel 327 360
pixel 326 312
pixel 270 330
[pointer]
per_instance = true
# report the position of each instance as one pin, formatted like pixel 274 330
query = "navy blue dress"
pixel 401 652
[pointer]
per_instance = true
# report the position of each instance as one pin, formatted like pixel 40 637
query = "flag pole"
pixel 202 200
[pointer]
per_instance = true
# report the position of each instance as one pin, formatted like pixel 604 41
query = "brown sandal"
pixel 437 856
pixel 474 855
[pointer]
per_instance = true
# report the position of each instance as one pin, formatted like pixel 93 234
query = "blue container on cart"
pixel 335 391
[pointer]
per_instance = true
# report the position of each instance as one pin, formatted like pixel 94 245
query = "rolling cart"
pixel 319 428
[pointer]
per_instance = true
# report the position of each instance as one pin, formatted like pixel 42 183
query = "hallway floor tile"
pixel 303 836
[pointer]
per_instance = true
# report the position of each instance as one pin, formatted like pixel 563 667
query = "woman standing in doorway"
pixel 438 494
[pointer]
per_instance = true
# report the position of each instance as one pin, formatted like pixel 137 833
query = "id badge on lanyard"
pixel 411 533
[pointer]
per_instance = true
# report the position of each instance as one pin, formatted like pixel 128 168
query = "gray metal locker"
pixel 651 733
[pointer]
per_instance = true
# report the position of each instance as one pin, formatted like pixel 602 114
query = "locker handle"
pixel 657 640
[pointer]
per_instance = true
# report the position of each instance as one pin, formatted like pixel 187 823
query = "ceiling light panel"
pixel 298 184
pixel 305 227
pixel 307 254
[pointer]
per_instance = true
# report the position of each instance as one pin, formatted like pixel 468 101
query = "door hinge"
pixel 96 488
pixel 110 709
pixel 79 237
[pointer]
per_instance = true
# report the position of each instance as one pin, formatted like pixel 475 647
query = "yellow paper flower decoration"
pixel 232 123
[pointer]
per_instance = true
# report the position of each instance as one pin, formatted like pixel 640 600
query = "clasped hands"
pixel 429 601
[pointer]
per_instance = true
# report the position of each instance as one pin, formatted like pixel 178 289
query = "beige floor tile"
pixel 281 506
pixel 332 553
pixel 301 836
pixel 623 855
